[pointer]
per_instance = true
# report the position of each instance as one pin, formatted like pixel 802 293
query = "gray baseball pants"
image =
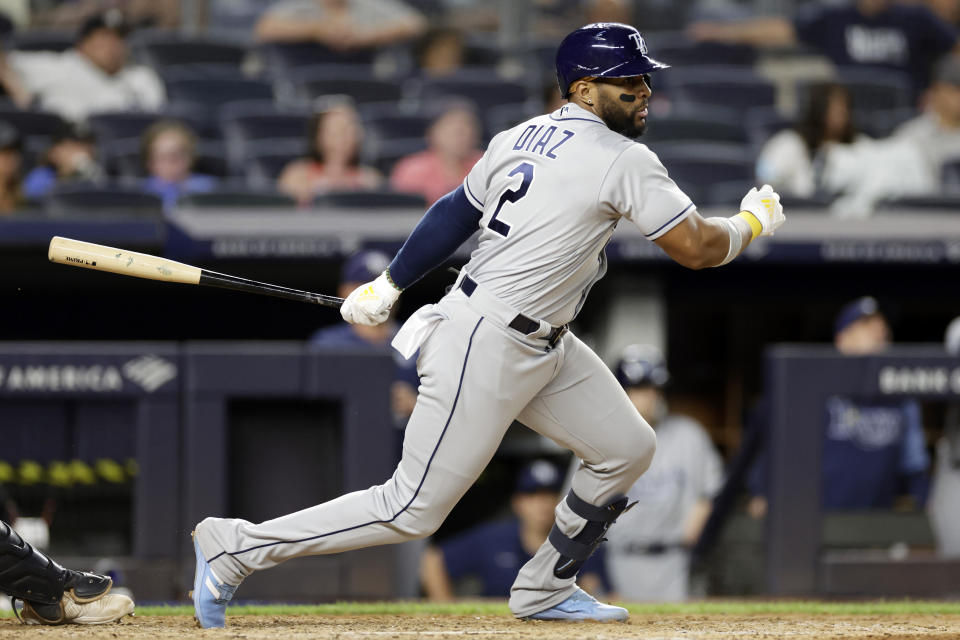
pixel 477 376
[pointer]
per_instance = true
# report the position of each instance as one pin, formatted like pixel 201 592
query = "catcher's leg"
pixel 585 410
pixel 43 585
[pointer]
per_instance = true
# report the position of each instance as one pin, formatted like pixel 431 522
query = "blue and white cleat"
pixel 581 607
pixel 210 594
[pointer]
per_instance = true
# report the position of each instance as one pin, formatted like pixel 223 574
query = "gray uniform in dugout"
pixel 547 196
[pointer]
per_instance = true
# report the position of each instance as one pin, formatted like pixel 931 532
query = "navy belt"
pixel 520 323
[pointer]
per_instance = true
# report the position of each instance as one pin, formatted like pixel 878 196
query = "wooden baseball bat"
pixel 141 265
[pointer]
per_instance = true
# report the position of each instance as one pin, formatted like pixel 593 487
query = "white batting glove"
pixel 766 208
pixel 370 304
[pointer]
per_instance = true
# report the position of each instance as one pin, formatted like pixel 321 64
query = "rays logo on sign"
pixel 150 372
pixel 638 40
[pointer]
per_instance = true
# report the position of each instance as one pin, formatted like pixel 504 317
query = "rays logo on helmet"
pixel 638 40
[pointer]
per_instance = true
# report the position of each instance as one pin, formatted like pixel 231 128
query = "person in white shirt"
pixel 936 132
pixel 92 76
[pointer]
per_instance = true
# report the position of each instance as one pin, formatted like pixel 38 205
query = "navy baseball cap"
pixel 642 365
pixel 364 266
pixel 539 475
pixel 856 310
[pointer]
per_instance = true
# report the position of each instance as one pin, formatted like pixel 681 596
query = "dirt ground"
pixel 661 627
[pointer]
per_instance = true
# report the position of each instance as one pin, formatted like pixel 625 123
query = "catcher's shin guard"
pixel 33 577
pixel 575 551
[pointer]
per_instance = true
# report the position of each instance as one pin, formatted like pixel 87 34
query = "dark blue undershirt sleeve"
pixel 444 227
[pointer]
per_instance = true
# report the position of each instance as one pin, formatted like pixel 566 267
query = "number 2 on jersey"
pixel 511 195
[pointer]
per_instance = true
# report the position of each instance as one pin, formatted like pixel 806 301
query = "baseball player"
pixel 648 554
pixel 546 197
pixel 52 594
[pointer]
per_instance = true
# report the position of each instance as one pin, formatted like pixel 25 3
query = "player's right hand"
pixel 765 207
pixel 370 304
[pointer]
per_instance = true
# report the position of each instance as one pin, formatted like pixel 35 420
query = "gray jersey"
pixel 686 469
pixel 552 190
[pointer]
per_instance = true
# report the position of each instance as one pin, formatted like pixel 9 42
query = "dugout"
pixel 91 439
pixel 272 428
pixel 801 378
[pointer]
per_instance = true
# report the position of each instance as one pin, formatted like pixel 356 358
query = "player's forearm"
pixel 278 29
pixel 759 32
pixel 446 225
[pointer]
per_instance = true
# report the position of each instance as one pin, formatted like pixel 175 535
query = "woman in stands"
pixel 11 163
pixel 169 150
pixel 453 147
pixel 335 134
pixel 792 160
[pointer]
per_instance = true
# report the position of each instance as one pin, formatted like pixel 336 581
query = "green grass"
pixel 499 608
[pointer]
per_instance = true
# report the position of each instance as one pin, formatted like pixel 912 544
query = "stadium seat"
pixel 164 50
pixel 876 89
pixel 505 116
pixel 91 200
pixel 763 122
pixel 124 125
pixel 36 127
pixel 265 159
pixel 705 124
pixel 358 82
pixel 41 40
pixel 384 121
pixel 281 59
pixel 880 124
pixel 245 123
pixel 676 50
pixel 215 92
pixel 732 87
pixel 706 165
pixel 122 158
pixel 238 198
pixel 484 88
pixel 371 199
pixel 388 152
pixel 950 176
pixel 946 203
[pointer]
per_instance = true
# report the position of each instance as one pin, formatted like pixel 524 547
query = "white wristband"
pixel 736 240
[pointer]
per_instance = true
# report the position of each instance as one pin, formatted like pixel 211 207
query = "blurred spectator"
pixel 792 160
pixel 11 166
pixel 169 150
pixel 141 13
pixel 362 267
pixel 824 156
pixel 71 157
pixel 335 135
pixel 493 552
pixel 11 85
pixel 936 132
pixel 452 149
pixel 878 33
pixel 91 77
pixel 341 25
pixel 874 451
pixel 440 52
pixel 648 556
pixel 945 488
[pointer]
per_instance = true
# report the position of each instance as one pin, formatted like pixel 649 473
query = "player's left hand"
pixel 370 304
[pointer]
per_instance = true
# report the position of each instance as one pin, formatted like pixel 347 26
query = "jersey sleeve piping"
pixel 472 199
pixel 670 224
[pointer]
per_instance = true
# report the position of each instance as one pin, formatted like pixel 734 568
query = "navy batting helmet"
pixel 603 50
pixel 642 364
